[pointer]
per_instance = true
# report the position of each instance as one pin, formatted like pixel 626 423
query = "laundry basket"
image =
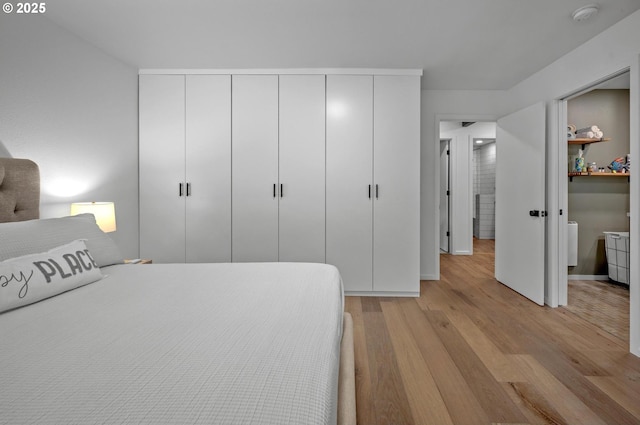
pixel 617 251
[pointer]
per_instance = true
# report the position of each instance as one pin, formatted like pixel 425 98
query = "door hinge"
pixel 560 212
pixel 448 151
pixel 447 193
pixel 447 233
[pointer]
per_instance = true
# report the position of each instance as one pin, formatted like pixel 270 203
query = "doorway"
pixel 598 204
pixel 458 183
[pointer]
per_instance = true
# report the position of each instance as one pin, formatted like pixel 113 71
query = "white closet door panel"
pixel 162 209
pixel 254 167
pixel 349 176
pixel 302 168
pixel 208 170
pixel 396 170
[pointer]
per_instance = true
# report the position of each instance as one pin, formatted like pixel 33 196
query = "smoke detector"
pixel 585 12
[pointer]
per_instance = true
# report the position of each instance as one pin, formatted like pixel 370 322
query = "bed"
pixel 113 343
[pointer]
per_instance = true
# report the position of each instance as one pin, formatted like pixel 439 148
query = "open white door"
pixel 520 202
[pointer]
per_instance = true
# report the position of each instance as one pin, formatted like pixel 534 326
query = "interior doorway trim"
pixel 435 230
pixel 559 241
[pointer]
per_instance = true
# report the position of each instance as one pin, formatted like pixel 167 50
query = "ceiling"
pixel 460 44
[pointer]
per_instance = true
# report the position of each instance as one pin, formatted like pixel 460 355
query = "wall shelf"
pixel 597 174
pixel 584 142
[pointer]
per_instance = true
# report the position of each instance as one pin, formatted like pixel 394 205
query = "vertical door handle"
pixel 376 191
pixel 180 189
pixel 281 194
pixel 188 189
pixel 274 190
pixel 369 191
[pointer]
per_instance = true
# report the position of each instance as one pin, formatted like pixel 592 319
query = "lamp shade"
pixel 104 212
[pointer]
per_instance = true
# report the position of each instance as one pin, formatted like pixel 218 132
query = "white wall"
pixel 73 110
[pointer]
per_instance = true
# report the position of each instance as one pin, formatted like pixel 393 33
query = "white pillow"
pixel 34 236
pixel 30 278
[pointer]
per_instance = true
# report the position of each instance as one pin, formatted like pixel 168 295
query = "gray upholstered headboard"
pixel 19 190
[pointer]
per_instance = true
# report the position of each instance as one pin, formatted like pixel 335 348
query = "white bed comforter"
pixel 178 344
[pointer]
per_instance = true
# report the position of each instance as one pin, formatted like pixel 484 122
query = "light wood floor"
pixel 604 304
pixel 471 351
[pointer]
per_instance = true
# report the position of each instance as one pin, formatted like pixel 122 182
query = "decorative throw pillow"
pixel 25 280
pixel 34 236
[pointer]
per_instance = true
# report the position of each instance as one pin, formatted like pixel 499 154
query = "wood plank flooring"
pixel 471 351
pixel 604 304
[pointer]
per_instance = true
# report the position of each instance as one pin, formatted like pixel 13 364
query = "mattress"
pixel 178 344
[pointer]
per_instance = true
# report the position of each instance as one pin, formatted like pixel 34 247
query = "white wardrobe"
pixel 278 169
pixel 185 168
pixel 301 167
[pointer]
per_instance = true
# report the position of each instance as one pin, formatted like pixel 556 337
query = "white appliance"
pixel 572 244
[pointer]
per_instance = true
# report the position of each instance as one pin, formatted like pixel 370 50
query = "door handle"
pixel 281 192
pixel 180 189
pixel 537 213
pixel 369 191
pixel 274 190
pixel 188 189
pixel 376 191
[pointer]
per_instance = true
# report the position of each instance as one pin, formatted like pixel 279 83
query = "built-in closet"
pixel 263 166
pixel 371 180
pixel 185 168
pixel 278 169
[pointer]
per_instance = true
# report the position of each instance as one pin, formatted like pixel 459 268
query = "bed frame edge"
pixel 347 378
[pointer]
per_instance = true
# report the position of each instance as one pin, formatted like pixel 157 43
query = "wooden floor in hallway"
pixel 471 351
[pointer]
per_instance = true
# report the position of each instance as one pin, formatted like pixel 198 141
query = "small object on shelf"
pixel 593 168
pixel 578 163
pixel 618 165
pixel 628 162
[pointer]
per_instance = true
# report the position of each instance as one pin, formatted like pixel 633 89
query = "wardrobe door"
pixel 302 168
pixel 254 168
pixel 349 179
pixel 396 170
pixel 208 168
pixel 162 206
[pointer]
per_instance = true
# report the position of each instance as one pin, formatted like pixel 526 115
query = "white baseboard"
pixel 467 252
pixel 429 277
pixel 588 277
pixel 381 294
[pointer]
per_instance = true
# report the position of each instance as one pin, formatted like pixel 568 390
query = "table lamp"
pixel 104 212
